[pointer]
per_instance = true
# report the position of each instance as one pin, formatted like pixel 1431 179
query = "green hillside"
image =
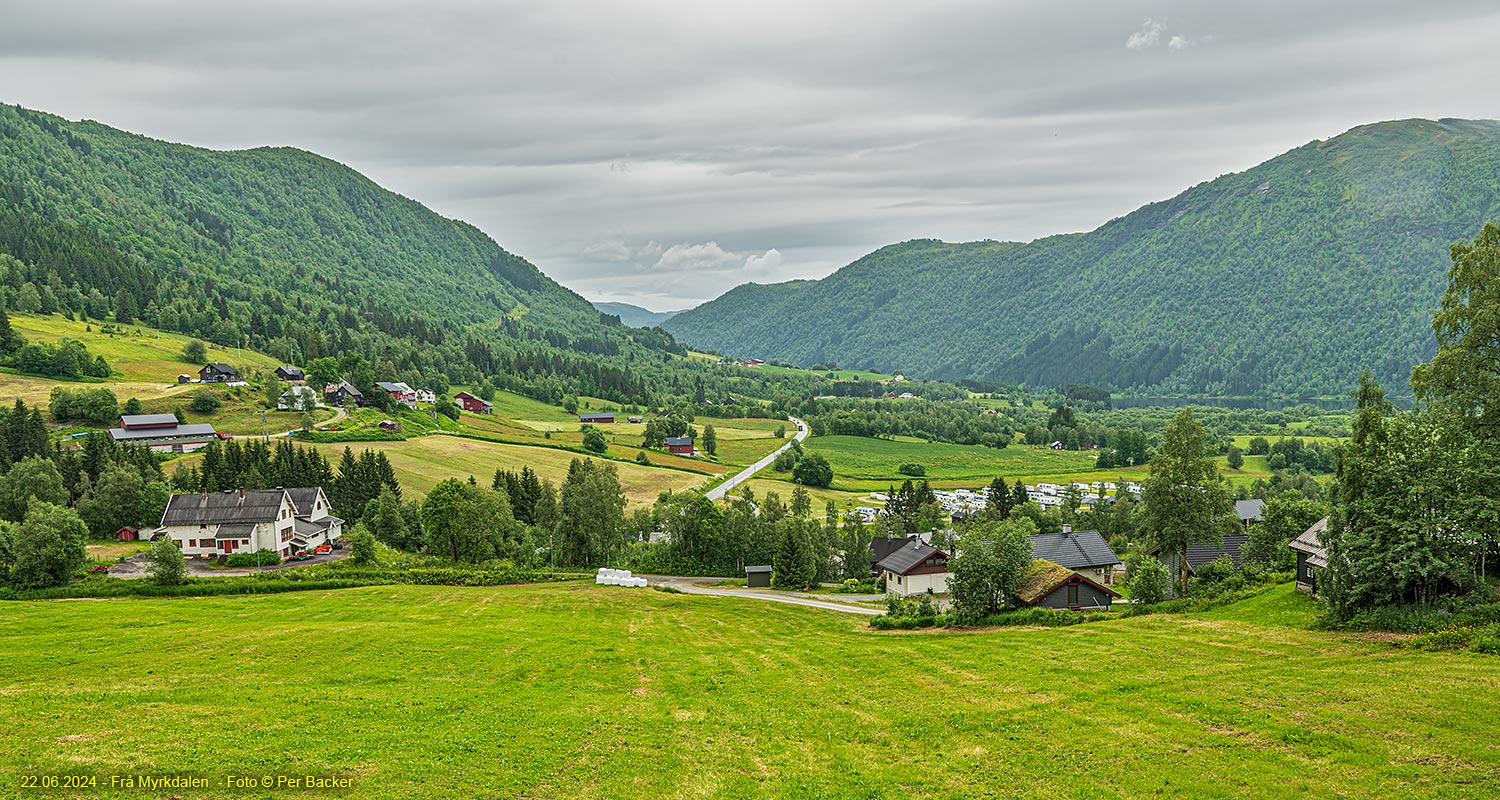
pixel 299 257
pixel 1288 278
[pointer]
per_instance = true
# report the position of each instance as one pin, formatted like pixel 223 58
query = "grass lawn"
pixel 421 462
pixel 108 552
pixel 568 691
pixel 134 350
pixel 864 463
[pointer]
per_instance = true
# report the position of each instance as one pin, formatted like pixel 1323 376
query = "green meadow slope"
pixel 574 691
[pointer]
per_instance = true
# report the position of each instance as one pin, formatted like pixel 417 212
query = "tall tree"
pixel 992 556
pixel 1184 501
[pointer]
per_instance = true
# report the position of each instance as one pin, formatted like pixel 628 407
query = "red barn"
pixel 469 402
pixel 681 445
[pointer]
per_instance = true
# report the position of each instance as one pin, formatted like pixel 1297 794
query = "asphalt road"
pixel 718 492
pixel 686 586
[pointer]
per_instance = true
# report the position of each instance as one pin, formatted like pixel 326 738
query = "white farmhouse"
pixel 916 568
pixel 281 521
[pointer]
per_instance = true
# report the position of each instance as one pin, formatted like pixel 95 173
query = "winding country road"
pixel 718 492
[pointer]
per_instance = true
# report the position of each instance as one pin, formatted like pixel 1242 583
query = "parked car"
pixel 339 545
pixel 322 548
pixel 99 569
pixel 300 555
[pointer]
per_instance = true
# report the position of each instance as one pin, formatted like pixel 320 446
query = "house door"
pixel 1072 595
pixel 228 545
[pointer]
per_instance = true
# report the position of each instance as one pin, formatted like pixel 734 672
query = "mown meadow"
pixel 581 691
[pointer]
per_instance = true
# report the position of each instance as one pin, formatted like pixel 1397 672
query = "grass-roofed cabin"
pixel 1050 585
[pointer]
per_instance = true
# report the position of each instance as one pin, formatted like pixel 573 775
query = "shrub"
pixel 1486 640
pixel 205 401
pixel 914 470
pixel 1150 582
pixel 246 560
pixel 194 352
pixel 1455 638
pixel 165 564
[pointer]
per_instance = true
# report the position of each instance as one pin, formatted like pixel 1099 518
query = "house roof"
pixel 137 434
pixel 1200 554
pixel 303 498
pixel 1074 549
pixel 882 546
pixel 219 367
pixel 597 415
pixel 389 386
pixel 309 527
pixel 235 530
pixel 344 386
pixel 760 568
pixel 1249 509
pixel 909 557
pixel 250 505
pixel 147 420
pixel 1311 543
pixel 290 371
pixel 678 441
pixel 1043 576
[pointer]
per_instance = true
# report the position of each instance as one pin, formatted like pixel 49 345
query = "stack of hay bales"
pixel 617 577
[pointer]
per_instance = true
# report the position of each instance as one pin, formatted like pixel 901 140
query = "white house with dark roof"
pixel 915 568
pixel 281 521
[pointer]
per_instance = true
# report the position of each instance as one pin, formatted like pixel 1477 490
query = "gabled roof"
pixel 882 546
pixel 1249 509
pixel 1043 576
pixel 759 568
pixel 596 415
pixel 304 498
pixel 220 367
pixel 678 441
pixel 344 386
pixel 147 420
pixel 250 505
pixel 1074 549
pixel 1200 554
pixel 235 530
pixel 310 527
pixel 1311 543
pixel 389 386
pixel 291 372
pixel 909 557
pixel 135 434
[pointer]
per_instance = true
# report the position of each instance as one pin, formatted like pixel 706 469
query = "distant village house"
pixel 162 433
pixel 218 373
pixel 473 403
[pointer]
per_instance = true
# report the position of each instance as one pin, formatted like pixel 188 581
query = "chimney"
pixel 1067 529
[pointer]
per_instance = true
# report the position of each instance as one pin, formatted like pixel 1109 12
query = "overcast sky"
pixel 661 153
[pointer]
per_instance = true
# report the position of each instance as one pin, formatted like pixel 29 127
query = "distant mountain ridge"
pixel 1288 278
pixel 635 316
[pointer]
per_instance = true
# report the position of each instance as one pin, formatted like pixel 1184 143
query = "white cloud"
pixel 1147 37
pixel 766 262
pixel 612 248
pixel 696 257
pixel 1183 42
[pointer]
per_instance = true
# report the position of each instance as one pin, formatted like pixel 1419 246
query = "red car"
pixel 300 555
pixel 322 548
pixel 223 435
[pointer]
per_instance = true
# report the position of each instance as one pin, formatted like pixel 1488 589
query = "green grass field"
pixel 569 691
pixel 421 462
pixel 862 463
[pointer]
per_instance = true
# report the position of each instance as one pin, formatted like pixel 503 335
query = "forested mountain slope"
pixel 297 256
pixel 1288 278
pixel 635 316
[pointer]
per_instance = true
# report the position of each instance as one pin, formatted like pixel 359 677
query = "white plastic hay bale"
pixel 640 582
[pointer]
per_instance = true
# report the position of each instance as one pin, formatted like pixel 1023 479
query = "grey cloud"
pixel 596 138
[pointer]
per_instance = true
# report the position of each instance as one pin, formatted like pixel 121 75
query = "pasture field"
pixel 423 461
pixel 579 691
pixel 134 351
pixel 864 463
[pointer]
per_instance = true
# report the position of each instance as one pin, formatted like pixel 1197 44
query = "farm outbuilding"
pixel 758 577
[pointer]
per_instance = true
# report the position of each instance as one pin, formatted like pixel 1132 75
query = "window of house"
pixel 192 543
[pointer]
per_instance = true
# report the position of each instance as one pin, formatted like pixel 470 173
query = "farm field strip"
pixel 598 692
